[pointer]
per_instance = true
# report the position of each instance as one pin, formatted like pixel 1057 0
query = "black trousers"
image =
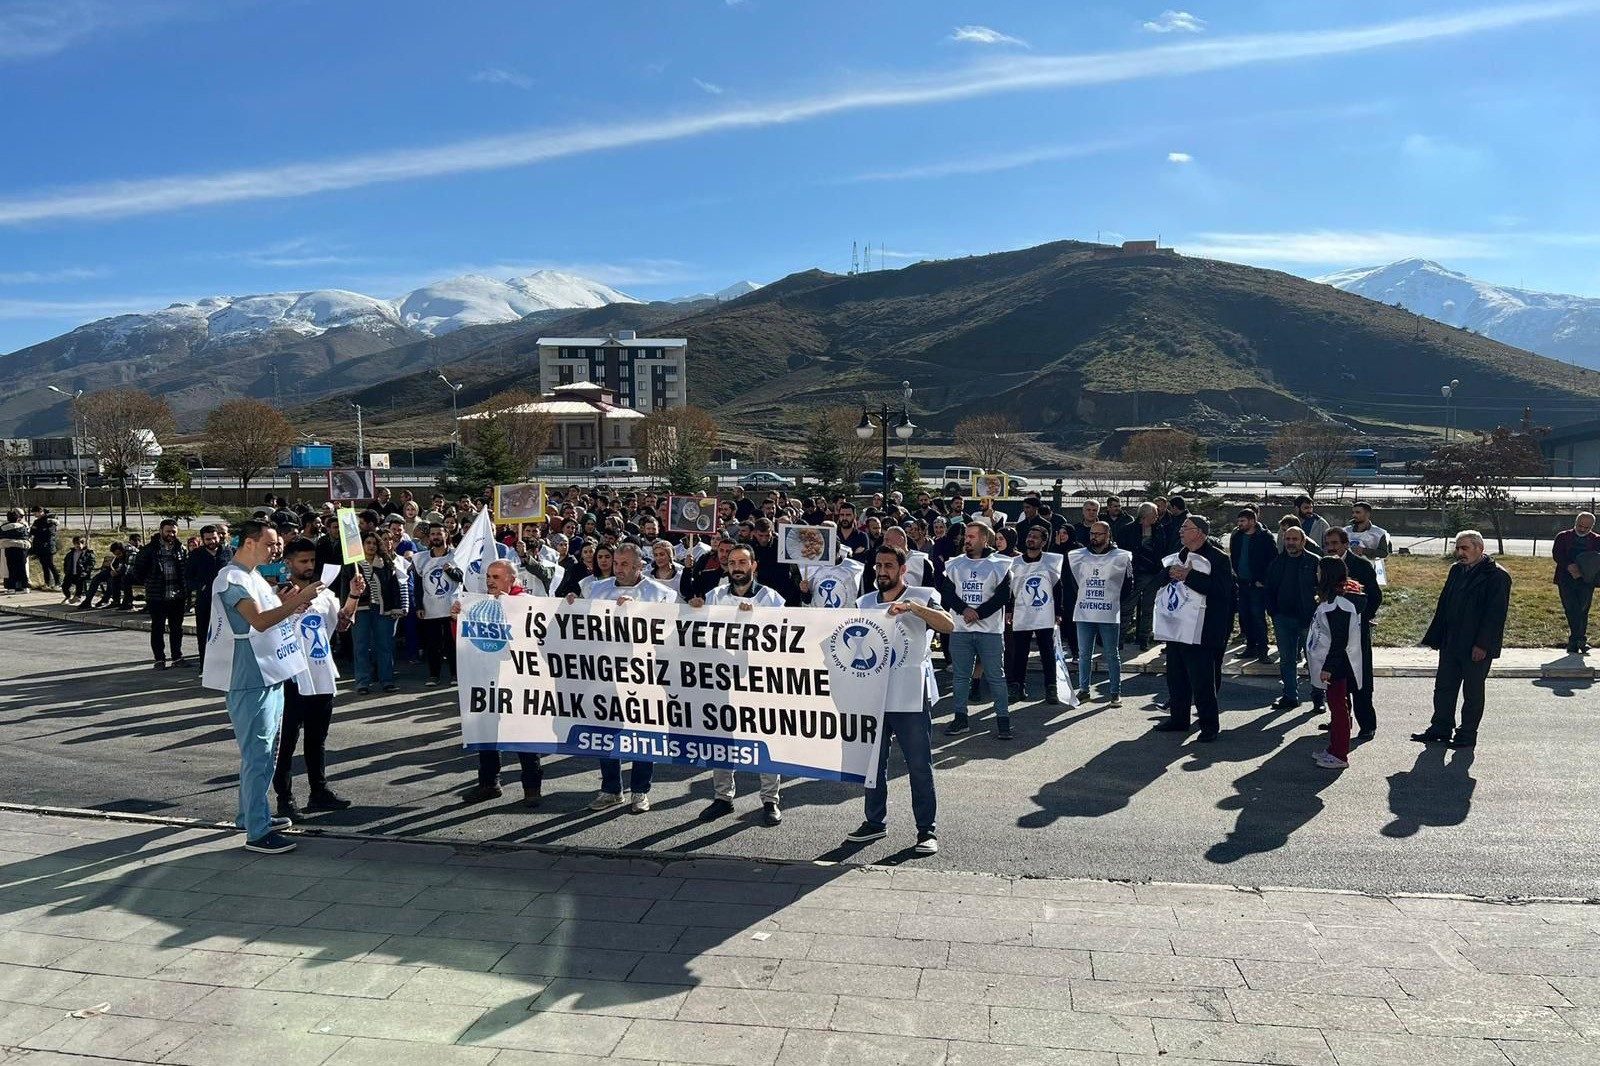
pixel 1192 681
pixel 1576 599
pixel 167 616
pixel 1361 703
pixel 202 618
pixel 17 569
pixel 1459 675
pixel 1017 642
pixel 310 715
pixel 47 565
pixel 489 768
pixel 438 645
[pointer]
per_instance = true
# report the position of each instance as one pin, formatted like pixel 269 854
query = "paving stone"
pixel 1393 955
pixel 370 980
pixel 785 1010
pixel 845 979
pixel 1482 1018
pixel 394 851
pixel 300 942
pixel 349 890
pixel 620 999
pixel 559 960
pixel 1413 931
pixel 455 897
pixel 708 890
pixel 1174 970
pixel 202 935
pixel 260 1008
pixel 612 866
pixel 1150 1001
pixel 1580 991
pixel 807 1047
pixel 439 951
pixel 20 1022
pixel 779 944
pixel 560 905
pixel 732 971
pixel 1332 980
pixel 1077 891
pixel 870 900
pixel 114 1037
pixel 1280 1044
pixel 1005 958
pixel 36 949
pixel 221 968
pixel 362 918
pixel 1544 962
pixel 963 1053
pixel 1069 1029
pixel 1388 1049
pixel 882 950
pixel 520 882
pixel 1005 989
pixel 1548 1052
pixel 964 930
pixel 368 1052
pixel 497 858
pixel 1586 1020
pixel 1495 988
pixel 1004 908
pixel 585 886
pixel 444 985
pixel 542 1031
pixel 902 1017
pixel 119 960
pixel 1101 938
pixel 259 911
pixel 513 1057
pixel 101 923
pixel 490 927
pixel 832 920
pixel 258 883
pixel 401 873
pixel 30 984
pixel 1226 945
pixel 244 1047
pixel 719 915
pixel 438 1023
pixel 1314 1009
pixel 618 936
pixel 976 884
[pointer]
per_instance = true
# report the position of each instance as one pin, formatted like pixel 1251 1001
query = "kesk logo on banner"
pixel 780 690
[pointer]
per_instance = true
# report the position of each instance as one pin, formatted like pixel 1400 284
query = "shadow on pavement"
pixel 1436 791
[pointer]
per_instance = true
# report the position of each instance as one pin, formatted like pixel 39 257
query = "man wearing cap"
pixel 976 589
pixel 1192 668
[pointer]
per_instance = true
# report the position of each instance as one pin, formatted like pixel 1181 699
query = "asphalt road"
pixel 1085 792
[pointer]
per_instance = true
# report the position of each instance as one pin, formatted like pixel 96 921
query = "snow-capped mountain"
pixel 474 300
pixel 1552 324
pixel 732 292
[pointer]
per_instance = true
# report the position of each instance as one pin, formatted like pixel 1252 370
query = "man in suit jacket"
pixel 1193 669
pixel 1468 627
pixel 1336 543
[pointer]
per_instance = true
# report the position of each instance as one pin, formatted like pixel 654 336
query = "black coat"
pixel 1146 557
pixel 1472 610
pixel 1364 572
pixel 1261 547
pixel 1220 592
pixel 1292 586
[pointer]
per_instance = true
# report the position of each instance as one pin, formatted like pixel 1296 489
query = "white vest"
pixel 1033 592
pixel 1099 579
pixel 646 591
pixel 438 589
pixel 975 582
pixel 911 670
pixel 317 626
pixel 919 568
pixel 838 585
pixel 1371 540
pixel 1180 615
pixel 1319 640
pixel 276 649
pixel 722 596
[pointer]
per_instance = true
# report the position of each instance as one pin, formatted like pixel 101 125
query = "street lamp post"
pixel 903 430
pixel 455 417
pixel 77 453
pixel 361 444
pixel 1449 392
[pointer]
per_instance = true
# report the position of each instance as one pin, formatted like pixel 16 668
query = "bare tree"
pixel 1312 454
pixel 989 441
pixel 246 438
pixel 122 428
pixel 1167 460
pixel 674 445
pixel 528 430
pixel 855 455
pixel 1477 475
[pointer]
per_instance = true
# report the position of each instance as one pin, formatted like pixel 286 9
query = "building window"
pixel 564 375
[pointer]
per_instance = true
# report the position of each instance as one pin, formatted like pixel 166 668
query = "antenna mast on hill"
pixel 855 263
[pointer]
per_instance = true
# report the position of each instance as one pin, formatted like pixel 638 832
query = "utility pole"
pixel 361 446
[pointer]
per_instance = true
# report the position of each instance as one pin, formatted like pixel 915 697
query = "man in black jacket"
pixel 1468 627
pixel 200 571
pixel 1336 543
pixel 1144 538
pixel 1291 592
pixel 76 569
pixel 1192 669
pixel 1252 550
pixel 159 566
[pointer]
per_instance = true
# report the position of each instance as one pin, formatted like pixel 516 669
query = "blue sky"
pixel 172 149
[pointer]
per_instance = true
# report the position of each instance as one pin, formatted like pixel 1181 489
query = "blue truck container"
pixel 310 456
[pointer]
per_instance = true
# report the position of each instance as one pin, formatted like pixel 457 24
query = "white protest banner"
pixel 475 551
pixel 790 691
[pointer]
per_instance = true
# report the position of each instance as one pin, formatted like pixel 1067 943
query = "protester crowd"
pixel 991 589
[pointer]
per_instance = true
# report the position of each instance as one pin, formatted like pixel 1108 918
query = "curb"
pixel 667 859
pixel 98 619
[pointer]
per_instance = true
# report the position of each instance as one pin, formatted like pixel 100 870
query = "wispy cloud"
pixel 30 29
pixel 1343 247
pixel 709 87
pixel 46 277
pixel 1179 157
pixel 1175 22
pixel 988 164
pixel 621 273
pixel 984 35
pixel 1014 74
pixel 81 310
pixel 890 253
pixel 503 76
pixel 295 252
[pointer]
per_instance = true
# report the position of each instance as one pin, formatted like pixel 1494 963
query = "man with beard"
pixel 1291 601
pixel 438 578
pixel 1142 539
pixel 1467 631
pixel 1313 524
pixel 975 585
pixel 1036 599
pixel 1577 594
pixel 833 584
pixel 1336 543
pixel 159 566
pixel 905 716
pixel 711 568
pixel 200 570
pixel 1368 541
pixel 308 696
pixel 628 583
pixel 1099 573
pixel 743 591
pixel 1252 550
pixel 853 541
pixel 1192 667
pixel 769 571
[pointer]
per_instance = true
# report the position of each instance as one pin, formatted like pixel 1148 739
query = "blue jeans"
pixel 1252 615
pixel 914 731
pixel 257 715
pixel 990 650
pixel 1110 635
pixel 1291 639
pixel 373 634
pixel 640 773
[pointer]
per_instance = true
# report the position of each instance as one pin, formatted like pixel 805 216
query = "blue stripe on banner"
pixel 678 749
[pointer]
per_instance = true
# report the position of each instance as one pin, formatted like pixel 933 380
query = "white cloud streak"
pixel 1016 74
pixel 503 76
pixel 708 87
pixel 30 29
pixel 1343 246
pixel 1175 22
pixel 81 310
pixel 984 35
pixel 46 277
pixel 1179 157
pixel 989 164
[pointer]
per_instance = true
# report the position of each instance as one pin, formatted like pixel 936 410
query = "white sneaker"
pixel 927 844
pixel 1319 756
pixel 1331 762
pixel 641 802
pixel 604 801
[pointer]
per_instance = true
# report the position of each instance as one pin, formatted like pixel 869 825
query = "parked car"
pixel 761 480
pixel 618 467
pixel 959 479
pixel 871 481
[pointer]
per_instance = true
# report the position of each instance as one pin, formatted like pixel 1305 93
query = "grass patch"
pixel 1409 600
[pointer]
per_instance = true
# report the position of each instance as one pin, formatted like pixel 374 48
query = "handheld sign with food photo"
pixel 990 486
pixel 691 514
pixel 519 503
pixel 350 535
pixel 808 545
pixel 354 485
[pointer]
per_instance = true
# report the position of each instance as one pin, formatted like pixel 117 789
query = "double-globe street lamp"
pixel 1448 392
pixel 455 416
pixel 903 429
pixel 77 452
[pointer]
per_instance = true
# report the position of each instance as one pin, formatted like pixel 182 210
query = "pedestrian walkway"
pixel 134 941
pixel 1549 663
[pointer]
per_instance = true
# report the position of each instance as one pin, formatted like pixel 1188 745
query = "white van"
pixel 958 479
pixel 619 467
